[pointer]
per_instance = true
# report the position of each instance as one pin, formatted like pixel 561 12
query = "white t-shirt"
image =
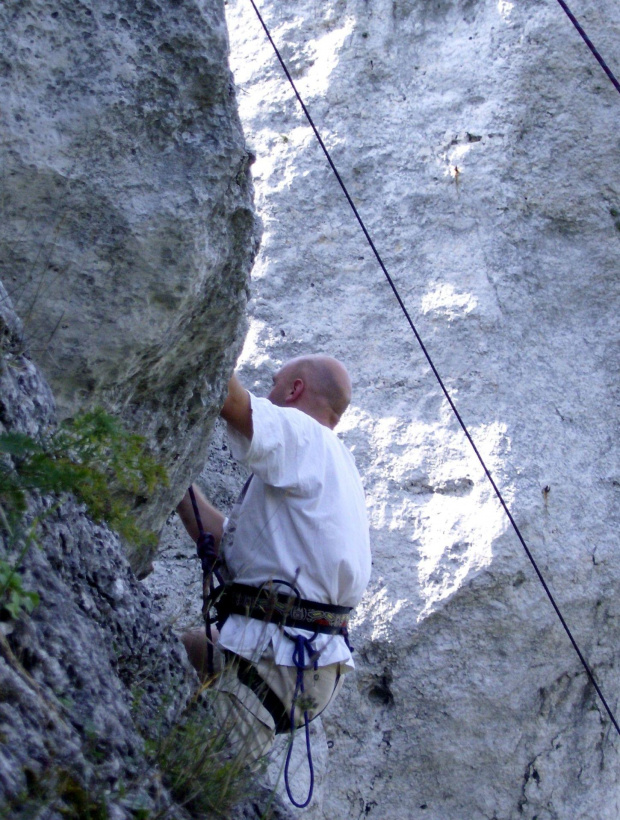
pixel 303 520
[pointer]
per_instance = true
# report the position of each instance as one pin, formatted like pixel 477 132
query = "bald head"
pixel 318 385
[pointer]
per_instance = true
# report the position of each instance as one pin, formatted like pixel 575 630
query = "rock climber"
pixel 300 527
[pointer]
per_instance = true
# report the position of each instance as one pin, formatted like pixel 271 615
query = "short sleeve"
pixel 285 450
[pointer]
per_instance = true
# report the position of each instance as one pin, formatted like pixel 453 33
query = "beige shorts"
pixel 249 726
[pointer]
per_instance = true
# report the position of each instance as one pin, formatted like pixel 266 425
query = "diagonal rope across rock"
pixel 436 373
pixel 590 45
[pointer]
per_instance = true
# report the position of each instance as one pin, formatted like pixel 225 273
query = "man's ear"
pixel 296 390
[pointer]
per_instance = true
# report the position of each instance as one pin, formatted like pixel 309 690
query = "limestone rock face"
pixel 94 671
pixel 126 223
pixel 94 682
pixel 479 141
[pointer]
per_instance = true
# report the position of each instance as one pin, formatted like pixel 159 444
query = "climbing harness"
pixel 268 604
pixel 427 355
pixel 285 610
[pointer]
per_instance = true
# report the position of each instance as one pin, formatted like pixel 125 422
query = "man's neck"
pixel 324 416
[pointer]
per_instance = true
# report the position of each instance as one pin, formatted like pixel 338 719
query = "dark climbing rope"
pixel 438 377
pixel 210 562
pixel 590 44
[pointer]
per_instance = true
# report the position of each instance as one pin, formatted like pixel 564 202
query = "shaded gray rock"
pixel 93 672
pixel 127 229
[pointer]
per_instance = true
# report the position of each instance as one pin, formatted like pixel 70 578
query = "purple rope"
pixel 590 44
pixel 437 375
pixel 302 645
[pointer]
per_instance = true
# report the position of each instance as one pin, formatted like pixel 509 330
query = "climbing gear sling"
pixel 211 563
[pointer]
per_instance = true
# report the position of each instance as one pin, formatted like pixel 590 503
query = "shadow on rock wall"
pixel 127 229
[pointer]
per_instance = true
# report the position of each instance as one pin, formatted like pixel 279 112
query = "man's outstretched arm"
pixel 237 409
pixel 212 519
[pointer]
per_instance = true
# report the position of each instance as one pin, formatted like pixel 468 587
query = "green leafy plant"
pixel 14 599
pixel 90 456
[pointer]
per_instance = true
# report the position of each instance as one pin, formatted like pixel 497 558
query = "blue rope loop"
pixel 302 645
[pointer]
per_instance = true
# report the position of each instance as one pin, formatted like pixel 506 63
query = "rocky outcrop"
pixel 93 674
pixel 126 223
pixel 101 715
pixel 476 139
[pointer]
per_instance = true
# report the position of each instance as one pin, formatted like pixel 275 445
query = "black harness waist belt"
pixel 281 608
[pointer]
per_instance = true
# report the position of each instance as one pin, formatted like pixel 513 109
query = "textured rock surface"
pixel 95 678
pixel 126 222
pixel 468 701
pixel 94 671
